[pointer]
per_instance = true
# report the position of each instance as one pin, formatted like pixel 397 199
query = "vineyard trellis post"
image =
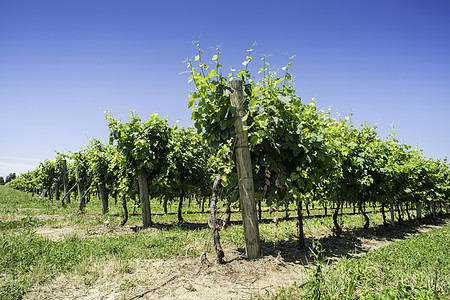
pixel 433 209
pixel 80 188
pixel 65 181
pixel 145 202
pixel 392 214
pixel 419 210
pixel 103 193
pixel 245 174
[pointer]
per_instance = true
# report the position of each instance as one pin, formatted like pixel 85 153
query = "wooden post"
pixel 245 174
pixel 81 195
pixel 301 233
pixel 65 182
pixel 419 210
pixel 56 188
pixel 104 197
pixel 433 209
pixel 145 201
pixel 392 214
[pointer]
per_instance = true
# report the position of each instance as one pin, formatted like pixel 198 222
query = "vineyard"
pixel 257 155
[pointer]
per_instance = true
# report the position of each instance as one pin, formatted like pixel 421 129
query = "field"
pixel 49 252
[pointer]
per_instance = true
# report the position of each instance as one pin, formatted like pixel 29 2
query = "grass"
pixel 416 268
pixel 28 259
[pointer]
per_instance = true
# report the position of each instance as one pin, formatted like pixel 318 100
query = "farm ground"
pixel 187 278
pixel 163 262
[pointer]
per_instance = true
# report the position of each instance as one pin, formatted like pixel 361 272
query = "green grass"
pixel 417 268
pixel 27 259
pixel 26 222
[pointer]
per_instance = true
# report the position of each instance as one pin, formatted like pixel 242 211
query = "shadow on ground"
pixel 350 243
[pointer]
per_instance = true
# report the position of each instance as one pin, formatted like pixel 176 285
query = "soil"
pixel 189 278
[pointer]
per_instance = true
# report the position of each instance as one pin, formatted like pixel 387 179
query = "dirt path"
pixel 187 278
pixel 174 278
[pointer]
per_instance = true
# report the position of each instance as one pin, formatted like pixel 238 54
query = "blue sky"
pixel 62 63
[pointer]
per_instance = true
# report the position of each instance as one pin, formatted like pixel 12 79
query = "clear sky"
pixel 63 63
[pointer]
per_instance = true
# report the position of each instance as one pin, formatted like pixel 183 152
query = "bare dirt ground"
pixel 188 278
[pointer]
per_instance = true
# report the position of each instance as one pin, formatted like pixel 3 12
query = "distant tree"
pixel 2 180
pixel 10 177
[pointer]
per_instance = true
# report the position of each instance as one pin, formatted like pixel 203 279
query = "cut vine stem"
pixel 213 224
